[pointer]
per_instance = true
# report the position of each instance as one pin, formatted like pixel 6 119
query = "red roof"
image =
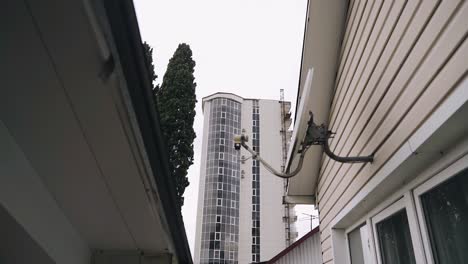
pixel 295 244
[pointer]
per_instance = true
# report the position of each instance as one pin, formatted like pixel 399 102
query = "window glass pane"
pixel 446 212
pixel 395 240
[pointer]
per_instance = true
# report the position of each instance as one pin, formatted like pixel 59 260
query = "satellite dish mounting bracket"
pixel 319 135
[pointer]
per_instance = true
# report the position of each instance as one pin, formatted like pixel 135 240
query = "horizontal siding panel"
pixel 399 60
pixel 383 28
pixel 354 54
pixel 381 81
pixel 369 16
pixel 353 26
pixel 327 255
pixel 326 242
pixel 325 233
pixel 434 61
pixel 390 112
pixel 455 71
pixel 386 62
pixel 372 32
pixel 350 16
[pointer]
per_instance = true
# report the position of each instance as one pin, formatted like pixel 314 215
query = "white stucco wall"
pixel 245 203
pixel 272 231
pixel 272 236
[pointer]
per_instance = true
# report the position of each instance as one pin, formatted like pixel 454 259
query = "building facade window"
pixel 395 240
pixel 219 241
pixel 445 211
pixel 255 182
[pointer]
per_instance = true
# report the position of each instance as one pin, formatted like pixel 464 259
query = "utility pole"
pixel 312 217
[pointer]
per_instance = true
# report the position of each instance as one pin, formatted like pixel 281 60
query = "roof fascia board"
pixel 126 44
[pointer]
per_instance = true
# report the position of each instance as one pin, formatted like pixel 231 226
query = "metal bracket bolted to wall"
pixel 319 135
pixel 315 135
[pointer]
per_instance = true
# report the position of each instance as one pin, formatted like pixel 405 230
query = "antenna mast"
pixel 285 119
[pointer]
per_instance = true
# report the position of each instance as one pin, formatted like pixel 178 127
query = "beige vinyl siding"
pixel 399 61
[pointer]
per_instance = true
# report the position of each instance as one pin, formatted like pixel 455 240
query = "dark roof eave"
pixel 126 35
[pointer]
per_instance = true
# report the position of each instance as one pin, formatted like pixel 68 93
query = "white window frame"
pixel 218 236
pixel 454 161
pixel 222 141
pixel 428 185
pixel 223 114
pixel 218 217
pixel 220 170
pixel 405 203
pixel 221 155
pixel 367 242
pixel 255 207
pixel 233 220
pixel 254 192
pixel 219 201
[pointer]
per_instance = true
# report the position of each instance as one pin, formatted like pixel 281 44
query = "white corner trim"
pixel 454 102
pixel 397 159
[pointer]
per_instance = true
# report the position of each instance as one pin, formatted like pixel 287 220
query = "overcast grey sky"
pixel 248 47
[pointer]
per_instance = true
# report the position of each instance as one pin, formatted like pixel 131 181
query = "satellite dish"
pixel 302 118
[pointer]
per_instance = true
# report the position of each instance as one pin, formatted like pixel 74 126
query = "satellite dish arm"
pixel 256 156
pixel 360 159
pixel 316 135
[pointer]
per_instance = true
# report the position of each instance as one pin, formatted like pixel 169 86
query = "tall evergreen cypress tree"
pixel 149 63
pixel 176 104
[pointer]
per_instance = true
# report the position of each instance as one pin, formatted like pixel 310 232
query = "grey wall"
pixel 27 200
pixel 16 245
